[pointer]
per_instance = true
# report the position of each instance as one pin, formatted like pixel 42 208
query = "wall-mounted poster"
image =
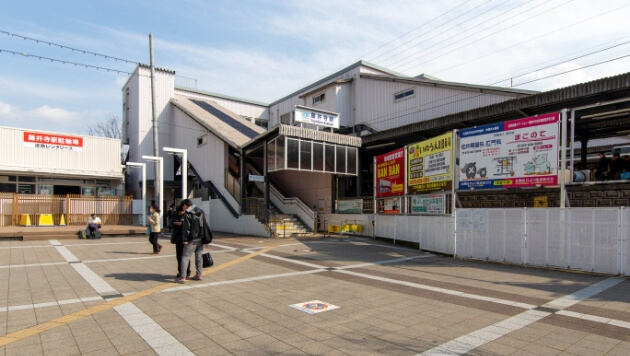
pixel 350 206
pixel 390 173
pixel 389 206
pixel 429 164
pixel 428 203
pixel 511 154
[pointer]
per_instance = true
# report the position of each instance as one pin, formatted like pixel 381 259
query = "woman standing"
pixel 154 223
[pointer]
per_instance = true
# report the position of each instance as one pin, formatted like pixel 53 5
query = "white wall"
pixel 99 156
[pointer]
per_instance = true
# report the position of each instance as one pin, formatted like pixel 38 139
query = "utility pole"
pixel 156 146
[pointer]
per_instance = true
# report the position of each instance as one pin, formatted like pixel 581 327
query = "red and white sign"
pixel 53 141
pixel 390 173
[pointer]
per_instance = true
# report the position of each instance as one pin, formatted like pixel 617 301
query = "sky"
pixel 263 50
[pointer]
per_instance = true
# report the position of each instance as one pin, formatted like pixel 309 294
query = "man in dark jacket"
pixel 177 225
pixel 601 172
pixel 192 231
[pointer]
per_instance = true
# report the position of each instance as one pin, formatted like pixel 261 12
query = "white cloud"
pixel 41 118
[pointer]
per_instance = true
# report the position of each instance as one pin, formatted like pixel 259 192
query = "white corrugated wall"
pixel 99 156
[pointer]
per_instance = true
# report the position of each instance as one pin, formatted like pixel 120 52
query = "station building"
pixel 299 154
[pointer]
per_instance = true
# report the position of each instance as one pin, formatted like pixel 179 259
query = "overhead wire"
pixel 435 28
pixel 68 47
pixel 494 33
pixel 465 31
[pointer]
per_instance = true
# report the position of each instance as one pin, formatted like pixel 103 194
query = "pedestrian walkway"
pixel 315 296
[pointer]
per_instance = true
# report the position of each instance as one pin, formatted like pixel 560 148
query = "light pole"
pixel 160 160
pixel 184 153
pixel 144 189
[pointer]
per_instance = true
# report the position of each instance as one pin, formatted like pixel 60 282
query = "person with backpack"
pixel 177 225
pixel 194 229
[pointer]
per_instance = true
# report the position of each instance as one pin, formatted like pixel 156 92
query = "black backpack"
pixel 199 228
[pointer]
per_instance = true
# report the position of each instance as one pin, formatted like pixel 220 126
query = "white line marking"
pixel 302 263
pixel 22 247
pixel 34 265
pixel 466 343
pixel 128 259
pixel 87 243
pixel 50 304
pixel 159 339
pixel 441 290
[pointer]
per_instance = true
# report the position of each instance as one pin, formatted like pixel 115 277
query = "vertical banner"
pixel 390 170
pixel 511 154
pixel 429 164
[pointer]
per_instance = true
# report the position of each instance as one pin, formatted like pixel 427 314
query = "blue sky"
pixel 263 49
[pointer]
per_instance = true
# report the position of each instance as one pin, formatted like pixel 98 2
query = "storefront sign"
pixel 350 206
pixel 315 117
pixel 428 204
pixel 511 154
pixel 390 173
pixel 53 141
pixel 429 164
pixel 255 178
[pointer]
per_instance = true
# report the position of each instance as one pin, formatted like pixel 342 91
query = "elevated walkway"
pixel 32 233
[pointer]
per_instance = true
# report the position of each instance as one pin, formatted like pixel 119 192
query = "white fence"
pixel 585 239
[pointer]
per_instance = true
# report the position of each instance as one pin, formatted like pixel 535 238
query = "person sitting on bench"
pixel 94 223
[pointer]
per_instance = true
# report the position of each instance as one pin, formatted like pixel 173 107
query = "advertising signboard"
pixel 429 164
pixel 511 154
pixel 390 173
pixel 53 141
pixel 350 206
pixel 428 203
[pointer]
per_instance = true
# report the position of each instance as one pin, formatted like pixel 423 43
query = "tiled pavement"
pixel 393 301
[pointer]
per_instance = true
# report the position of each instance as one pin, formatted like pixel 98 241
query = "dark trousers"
pixel 90 229
pixel 153 239
pixel 179 249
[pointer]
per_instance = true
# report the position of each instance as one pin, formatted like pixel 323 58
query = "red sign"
pixel 390 173
pixel 53 141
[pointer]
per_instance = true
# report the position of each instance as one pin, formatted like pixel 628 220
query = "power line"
pixel 531 39
pixel 417 28
pixel 494 33
pixel 470 35
pixel 69 48
pixel 435 28
pixel 76 64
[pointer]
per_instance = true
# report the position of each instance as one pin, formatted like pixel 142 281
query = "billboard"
pixel 428 204
pixel 511 154
pixel 390 173
pixel 430 164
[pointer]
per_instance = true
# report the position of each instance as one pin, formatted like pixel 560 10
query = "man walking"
pixel 177 224
pixel 192 232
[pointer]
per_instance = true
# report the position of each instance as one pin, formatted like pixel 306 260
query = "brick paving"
pixel 393 301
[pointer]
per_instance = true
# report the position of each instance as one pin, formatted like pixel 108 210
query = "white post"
pixel 144 189
pixel 563 146
pixel 184 153
pixel 160 162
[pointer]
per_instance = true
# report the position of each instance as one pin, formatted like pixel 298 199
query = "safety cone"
pixel 62 221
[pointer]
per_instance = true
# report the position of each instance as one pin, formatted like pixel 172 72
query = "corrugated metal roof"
pixel 227 125
pixel 573 96
pixel 222 96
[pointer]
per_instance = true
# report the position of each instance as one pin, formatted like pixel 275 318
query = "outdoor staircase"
pixel 288 225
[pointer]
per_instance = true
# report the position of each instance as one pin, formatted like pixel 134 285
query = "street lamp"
pixel 184 153
pixel 144 189
pixel 160 160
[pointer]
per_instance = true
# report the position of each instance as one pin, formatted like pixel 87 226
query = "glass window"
pixel 89 191
pixel 329 158
pixel 46 189
pixel 318 156
pixel 280 150
pixel 7 187
pixel 26 188
pixel 341 159
pixel 319 98
pixel 306 155
pixel 352 160
pixel 8 179
pixel 271 155
pixel 293 153
pixel 404 94
pixel 26 179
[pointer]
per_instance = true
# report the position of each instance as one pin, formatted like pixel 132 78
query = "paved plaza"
pixel 311 296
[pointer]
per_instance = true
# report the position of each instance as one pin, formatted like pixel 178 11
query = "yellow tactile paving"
pixel 34 330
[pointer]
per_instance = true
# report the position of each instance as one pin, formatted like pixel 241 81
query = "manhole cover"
pixel 314 306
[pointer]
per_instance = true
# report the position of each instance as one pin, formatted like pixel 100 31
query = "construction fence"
pixel 16 209
pixel 584 239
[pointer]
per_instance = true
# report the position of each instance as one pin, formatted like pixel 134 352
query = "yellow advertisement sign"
pixel 429 164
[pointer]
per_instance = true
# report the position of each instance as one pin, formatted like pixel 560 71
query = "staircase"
pixel 288 225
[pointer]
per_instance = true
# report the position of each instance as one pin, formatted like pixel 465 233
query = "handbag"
pixel 149 230
pixel 207 260
pixel 207 236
